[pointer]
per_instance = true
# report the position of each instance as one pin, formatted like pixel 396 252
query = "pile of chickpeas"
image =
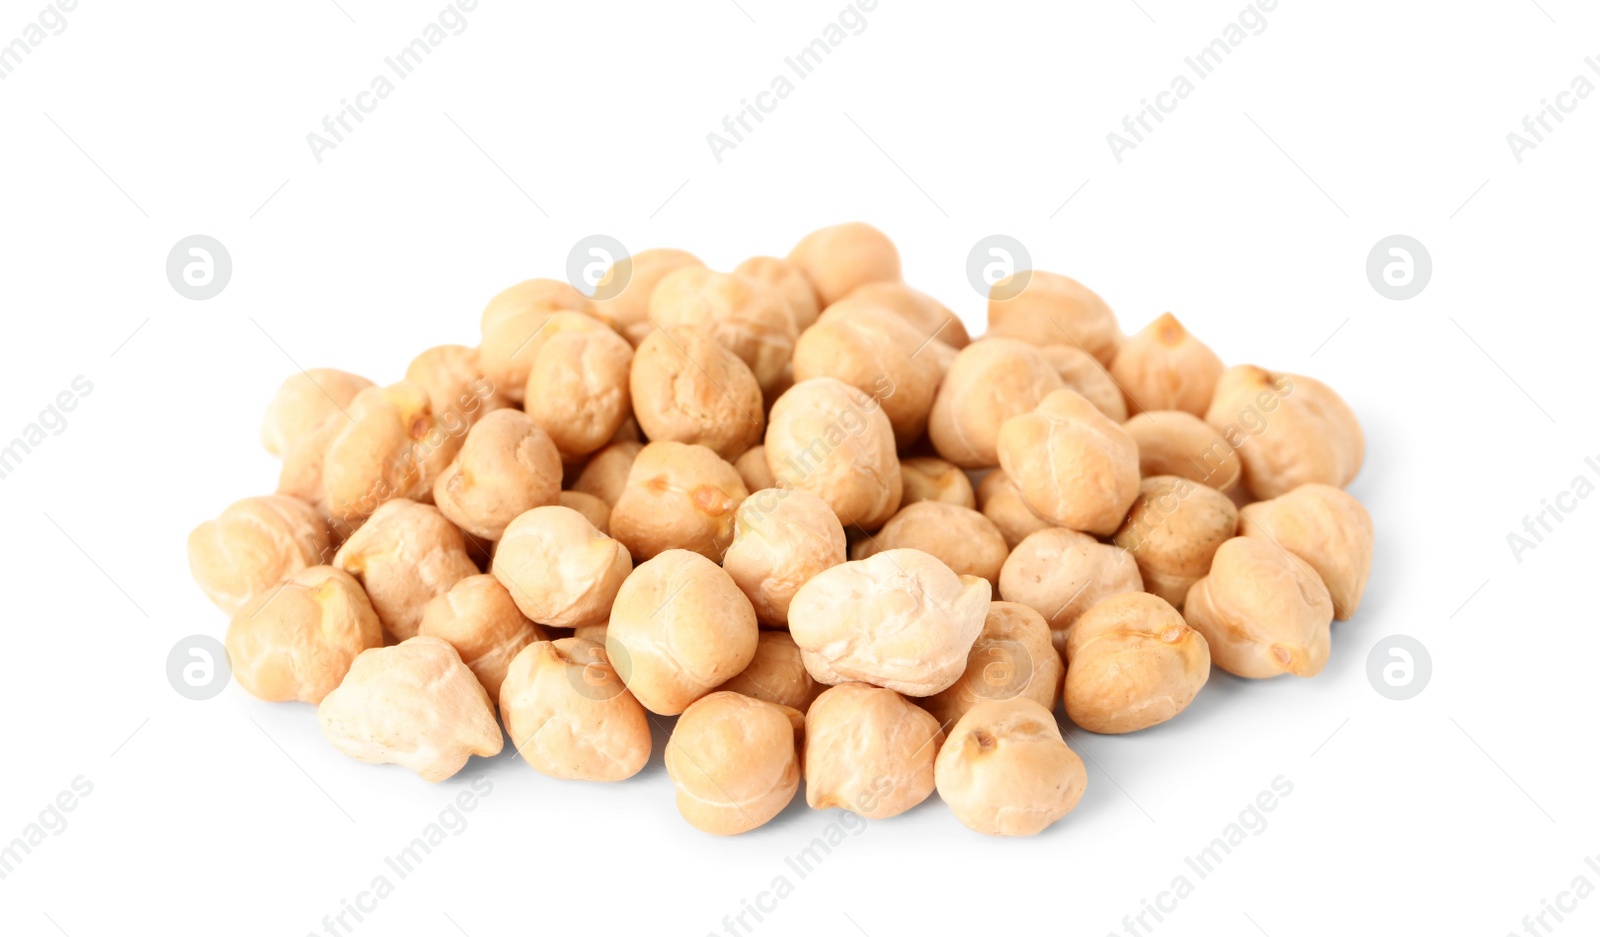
pixel 797 508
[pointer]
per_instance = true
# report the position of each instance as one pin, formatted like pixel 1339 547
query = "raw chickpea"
pixel 868 357
pixel 1001 502
pixel 569 715
pixel 753 469
pixel 678 497
pixel 842 257
pixel 628 311
pixel 1328 529
pixel 456 386
pixel 1289 430
pixel 1051 309
pixel 296 642
pixel 1005 770
pixel 300 476
pixel 303 401
pixel 1262 610
pixel 1013 656
pixel 1072 466
pixel 928 318
pixel 869 751
pixel 595 633
pixel 1062 573
pixel 1081 372
pixel 483 624
pixel 414 704
pixel 900 619
pixel 679 629
pixel 688 388
pixel 1132 662
pixel 735 761
pixel 925 478
pixel 929 352
pixel 781 539
pixel 594 510
pixel 1163 367
pixel 577 385
pixel 787 279
pixel 829 439
pixel 606 473
pixel 506 466
pixel 391 446
pixel 404 555
pixel 961 538
pixel 990 381
pixel 559 569
pixel 1172 442
pixel 254 544
pixel 1172 530
pixel 776 674
pixel 749 318
pixel 510 321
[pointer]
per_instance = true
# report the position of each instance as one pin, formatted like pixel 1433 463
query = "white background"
pixel 1249 212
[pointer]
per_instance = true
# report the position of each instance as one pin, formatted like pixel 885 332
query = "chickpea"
pixel 776 674
pixel 483 624
pixel 506 466
pixel 687 388
pixel 900 619
pixel 404 555
pixel 594 633
pixel 512 318
pixel 569 715
pixel 868 356
pixel 1132 662
pixel 735 761
pixel 1051 309
pixel 961 538
pixel 254 544
pixel 1072 466
pixel 300 476
pixel 1001 502
pixel 1328 529
pixel 929 318
pixel 1263 611
pixel 296 642
pixel 1288 429
pixel 1081 372
pixel 678 497
pixel 922 347
pixel 869 751
pixel 303 401
pixel 679 629
pixel 594 510
pixel 1163 367
pixel 392 446
pixel 842 257
pixel 1013 656
pixel 414 704
pixel 1173 529
pixel 559 569
pixel 606 473
pixel 1062 573
pixel 789 281
pixel 925 478
pixel 628 311
pixel 753 469
pixel 453 377
pixel 830 439
pixel 577 385
pixel 749 318
pixel 1172 442
pixel 781 539
pixel 1006 771
pixel 990 381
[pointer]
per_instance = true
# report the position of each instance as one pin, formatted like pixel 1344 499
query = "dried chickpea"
pixel 789 281
pixel 900 619
pixel 606 473
pixel 1172 530
pixel 781 539
pixel 928 318
pixel 1072 466
pixel 1001 502
pixel 628 311
pixel 748 317
pixel 392 446
pixel 1172 442
pixel 1132 662
pixel 254 544
pixel 594 510
pixel 456 386
pixel 506 466
pixel 735 761
pixel 1328 529
pixel 1051 309
pixel 679 629
pixel 1288 429
pixel 560 570
pixel 570 717
pixel 990 381
pixel 961 538
pixel 303 401
pixel 921 347
pixel 830 439
pixel 752 467
pixel 868 357
pixel 577 385
pixel 414 704
pixel 296 642
pixel 404 555
pixel 1081 372
pixel 925 478
pixel 300 476
pixel 483 624
pixel 678 497
pixel 776 674
pixel 510 320
pixel 1062 573
pixel 688 388
pixel 1013 656
pixel 1005 770
pixel 1262 610
pixel 1163 367
pixel 842 257
pixel 869 751
pixel 595 633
